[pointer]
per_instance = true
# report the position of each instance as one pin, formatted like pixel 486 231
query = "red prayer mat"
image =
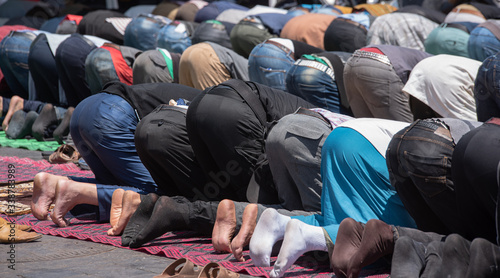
pixel 25 169
pixel 176 245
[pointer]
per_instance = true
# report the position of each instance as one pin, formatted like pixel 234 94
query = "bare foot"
pixel 242 239
pixel 16 103
pixel 130 202
pixel 224 227
pixel 116 207
pixel 69 194
pixel 44 192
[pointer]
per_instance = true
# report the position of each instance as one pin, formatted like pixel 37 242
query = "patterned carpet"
pixel 24 169
pixel 176 245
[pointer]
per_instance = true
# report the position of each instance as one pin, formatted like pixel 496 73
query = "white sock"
pixel 269 229
pixel 299 239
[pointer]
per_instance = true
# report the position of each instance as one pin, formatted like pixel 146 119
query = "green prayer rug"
pixel 30 144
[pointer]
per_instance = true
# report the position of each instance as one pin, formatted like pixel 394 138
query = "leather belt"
pixel 282 47
pixel 372 55
pixel 317 65
pixel 467 11
pixel 357 24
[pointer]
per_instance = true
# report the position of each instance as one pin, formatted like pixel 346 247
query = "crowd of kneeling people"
pixel 365 131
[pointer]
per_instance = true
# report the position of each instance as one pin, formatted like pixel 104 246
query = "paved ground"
pixel 61 257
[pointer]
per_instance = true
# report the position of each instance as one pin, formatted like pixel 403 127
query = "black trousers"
pixel 474 171
pixel 227 139
pixel 162 143
pixel 419 163
pixel 70 61
pixel 43 69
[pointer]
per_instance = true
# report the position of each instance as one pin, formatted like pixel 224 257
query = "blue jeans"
pixel 487 89
pixel 268 65
pixel 14 50
pixel 99 69
pixel 315 86
pixel 482 44
pixel 142 31
pixel 103 127
pixel 174 39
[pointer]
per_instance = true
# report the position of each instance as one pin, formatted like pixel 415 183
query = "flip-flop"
pixel 215 270
pixel 181 268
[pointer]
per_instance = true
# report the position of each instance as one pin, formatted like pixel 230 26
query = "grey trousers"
pixel 293 148
pixel 150 67
pixel 374 90
pixel 451 256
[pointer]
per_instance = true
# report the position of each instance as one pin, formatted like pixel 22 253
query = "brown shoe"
pixel 25 228
pixel 64 154
pixel 14 235
pixel 181 268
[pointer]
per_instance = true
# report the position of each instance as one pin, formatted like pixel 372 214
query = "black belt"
pixel 304 111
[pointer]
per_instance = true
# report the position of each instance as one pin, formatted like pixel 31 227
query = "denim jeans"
pixel 315 86
pixel 419 164
pixel 102 127
pixel 174 37
pixel 268 65
pixel 99 69
pixel 14 50
pixel 482 43
pixel 142 32
pixel 487 89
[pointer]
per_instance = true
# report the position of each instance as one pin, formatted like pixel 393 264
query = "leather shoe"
pixel 12 234
pixel 21 227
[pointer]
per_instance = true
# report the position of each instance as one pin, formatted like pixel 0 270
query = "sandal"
pixel 65 153
pixel 215 270
pixel 181 268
